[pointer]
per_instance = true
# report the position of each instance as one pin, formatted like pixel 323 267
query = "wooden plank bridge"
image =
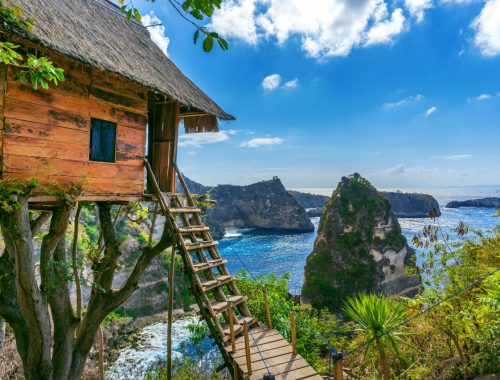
pixel 250 348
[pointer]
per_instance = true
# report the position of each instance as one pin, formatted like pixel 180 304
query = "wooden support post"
pixel 268 313
pixel 171 271
pixel 247 349
pixel 236 371
pixel 100 343
pixel 231 326
pixel 292 329
pixel 338 372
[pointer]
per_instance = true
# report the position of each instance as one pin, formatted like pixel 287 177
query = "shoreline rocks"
pixel 491 202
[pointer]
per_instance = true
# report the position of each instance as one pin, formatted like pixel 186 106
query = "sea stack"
pixel 359 248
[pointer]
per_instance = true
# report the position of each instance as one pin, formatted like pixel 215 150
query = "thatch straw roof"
pixel 96 32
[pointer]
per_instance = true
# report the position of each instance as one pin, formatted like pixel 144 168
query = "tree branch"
pixel 37 223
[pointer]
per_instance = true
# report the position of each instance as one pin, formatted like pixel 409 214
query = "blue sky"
pixel 407 93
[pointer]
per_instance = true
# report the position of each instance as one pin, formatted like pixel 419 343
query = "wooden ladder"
pixel 213 286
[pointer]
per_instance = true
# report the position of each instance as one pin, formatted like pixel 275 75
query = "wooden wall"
pixel 46 134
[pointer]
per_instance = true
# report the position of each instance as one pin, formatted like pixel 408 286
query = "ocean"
pixel 262 252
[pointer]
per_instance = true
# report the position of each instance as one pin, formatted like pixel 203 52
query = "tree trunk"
pixel 30 308
pixel 384 363
pixel 2 333
pixel 18 238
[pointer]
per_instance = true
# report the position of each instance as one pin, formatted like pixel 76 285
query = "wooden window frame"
pixel 115 140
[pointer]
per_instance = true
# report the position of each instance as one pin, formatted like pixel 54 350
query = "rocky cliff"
pixel 265 204
pixel 359 248
pixel 308 200
pixel 484 202
pixel 412 205
pixel 404 205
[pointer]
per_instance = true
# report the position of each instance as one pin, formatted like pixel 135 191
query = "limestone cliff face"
pixel 412 205
pixel 265 204
pixel 359 248
pixel 308 200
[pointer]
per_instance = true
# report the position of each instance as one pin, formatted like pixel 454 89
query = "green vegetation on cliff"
pixel 357 221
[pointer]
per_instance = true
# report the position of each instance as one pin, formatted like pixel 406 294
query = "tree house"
pixel 122 101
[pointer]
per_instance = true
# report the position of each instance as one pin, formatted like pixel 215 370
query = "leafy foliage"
pixel 36 70
pixel 375 316
pixel 198 10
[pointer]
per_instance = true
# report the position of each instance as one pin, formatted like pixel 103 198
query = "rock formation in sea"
pixel 264 204
pixel 359 248
pixel 404 205
pixel 483 202
pixel 412 205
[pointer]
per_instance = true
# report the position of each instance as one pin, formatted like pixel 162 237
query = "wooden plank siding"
pixel 46 133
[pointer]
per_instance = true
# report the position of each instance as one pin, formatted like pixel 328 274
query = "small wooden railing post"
pixel 268 313
pixel 236 372
pixel 231 326
pixel 292 329
pixel 247 349
pixel 338 371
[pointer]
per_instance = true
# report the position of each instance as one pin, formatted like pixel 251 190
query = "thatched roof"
pixel 96 32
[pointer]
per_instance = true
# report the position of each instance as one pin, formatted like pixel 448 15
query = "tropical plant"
pixel 378 318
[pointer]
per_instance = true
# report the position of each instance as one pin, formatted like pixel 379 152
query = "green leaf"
pixel 128 16
pixel 208 44
pixel 186 5
pixel 196 35
pixel 223 43
pixel 137 15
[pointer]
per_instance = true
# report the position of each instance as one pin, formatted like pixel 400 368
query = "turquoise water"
pixel 264 252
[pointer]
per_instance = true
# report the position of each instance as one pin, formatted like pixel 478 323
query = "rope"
pixel 471 285
pixel 257 346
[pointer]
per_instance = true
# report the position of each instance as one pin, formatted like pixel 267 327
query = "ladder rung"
pixel 184 230
pixel 207 285
pixel 220 306
pixel 188 210
pixel 201 245
pixel 237 327
pixel 219 280
pixel 198 267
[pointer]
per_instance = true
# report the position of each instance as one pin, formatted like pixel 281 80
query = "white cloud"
pixel 326 28
pixel 236 18
pixel 430 111
pixel 398 169
pixel 197 140
pixel 291 83
pixel 156 32
pixel 271 82
pixel 402 102
pixel 479 98
pixel 262 141
pixel 454 157
pixel 417 8
pixel 487 27
pixel 383 32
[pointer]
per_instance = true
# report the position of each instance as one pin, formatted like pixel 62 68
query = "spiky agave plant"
pixel 375 316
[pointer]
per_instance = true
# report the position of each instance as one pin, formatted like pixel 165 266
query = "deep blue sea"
pixel 262 252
